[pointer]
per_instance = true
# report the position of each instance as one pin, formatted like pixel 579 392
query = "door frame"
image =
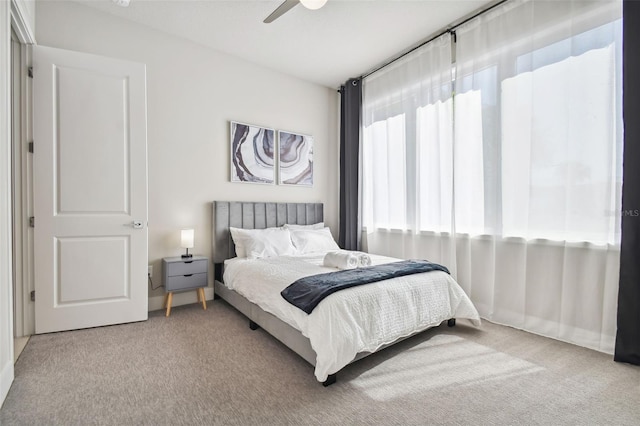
pixel 22 180
pixel 19 16
pixel 22 197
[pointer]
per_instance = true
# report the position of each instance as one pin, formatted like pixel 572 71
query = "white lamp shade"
pixel 186 238
pixel 313 4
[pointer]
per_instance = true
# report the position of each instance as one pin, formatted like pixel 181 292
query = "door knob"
pixel 137 224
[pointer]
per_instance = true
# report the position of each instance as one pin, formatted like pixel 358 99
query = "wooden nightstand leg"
pixel 166 298
pixel 169 300
pixel 201 297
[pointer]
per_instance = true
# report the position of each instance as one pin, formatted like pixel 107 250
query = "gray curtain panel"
pixel 628 335
pixel 350 108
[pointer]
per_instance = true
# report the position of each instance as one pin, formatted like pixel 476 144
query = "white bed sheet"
pixel 358 319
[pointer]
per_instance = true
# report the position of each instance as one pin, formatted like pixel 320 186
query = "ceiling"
pixel 344 39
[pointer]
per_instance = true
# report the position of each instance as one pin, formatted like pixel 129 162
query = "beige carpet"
pixel 208 367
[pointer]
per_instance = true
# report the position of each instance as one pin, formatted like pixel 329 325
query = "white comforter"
pixel 358 319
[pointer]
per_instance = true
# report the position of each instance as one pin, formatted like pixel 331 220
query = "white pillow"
pixel 258 243
pixel 291 226
pixel 313 240
pixel 237 235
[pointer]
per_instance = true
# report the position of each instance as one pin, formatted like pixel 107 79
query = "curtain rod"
pixel 448 30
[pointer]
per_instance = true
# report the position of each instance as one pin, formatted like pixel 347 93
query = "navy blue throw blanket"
pixel 307 292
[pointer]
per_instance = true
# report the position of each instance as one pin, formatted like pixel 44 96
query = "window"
pixel 530 146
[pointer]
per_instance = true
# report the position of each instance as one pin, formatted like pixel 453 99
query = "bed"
pixel 339 330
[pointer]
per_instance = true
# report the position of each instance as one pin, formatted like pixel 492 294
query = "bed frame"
pixel 251 215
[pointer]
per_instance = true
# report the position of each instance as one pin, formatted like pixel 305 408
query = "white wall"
pixel 192 93
pixel 6 298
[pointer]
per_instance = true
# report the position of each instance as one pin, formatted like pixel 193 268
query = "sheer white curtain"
pixel 519 195
pixel 408 102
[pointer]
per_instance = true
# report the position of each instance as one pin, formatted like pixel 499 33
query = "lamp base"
pixel 187 255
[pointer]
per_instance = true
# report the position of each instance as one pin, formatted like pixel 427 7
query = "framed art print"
pixel 295 158
pixel 252 153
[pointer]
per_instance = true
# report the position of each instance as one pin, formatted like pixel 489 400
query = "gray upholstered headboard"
pixel 250 215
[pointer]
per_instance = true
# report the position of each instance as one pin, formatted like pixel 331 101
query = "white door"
pixel 90 190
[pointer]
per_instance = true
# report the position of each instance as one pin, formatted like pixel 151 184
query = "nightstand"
pixel 181 274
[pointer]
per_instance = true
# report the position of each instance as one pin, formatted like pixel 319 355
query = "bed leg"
pixel 331 379
pixel 253 325
pixel 451 322
pixel 216 297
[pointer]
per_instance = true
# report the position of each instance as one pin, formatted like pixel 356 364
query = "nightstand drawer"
pixel 183 282
pixel 186 267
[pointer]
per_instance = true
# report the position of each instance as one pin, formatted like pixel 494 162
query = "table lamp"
pixel 186 241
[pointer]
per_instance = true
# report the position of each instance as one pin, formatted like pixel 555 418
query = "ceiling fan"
pixel 287 5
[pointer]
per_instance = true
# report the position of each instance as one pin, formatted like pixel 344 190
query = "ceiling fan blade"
pixel 281 10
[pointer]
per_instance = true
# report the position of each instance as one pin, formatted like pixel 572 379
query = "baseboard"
pixel 6 378
pixel 181 298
